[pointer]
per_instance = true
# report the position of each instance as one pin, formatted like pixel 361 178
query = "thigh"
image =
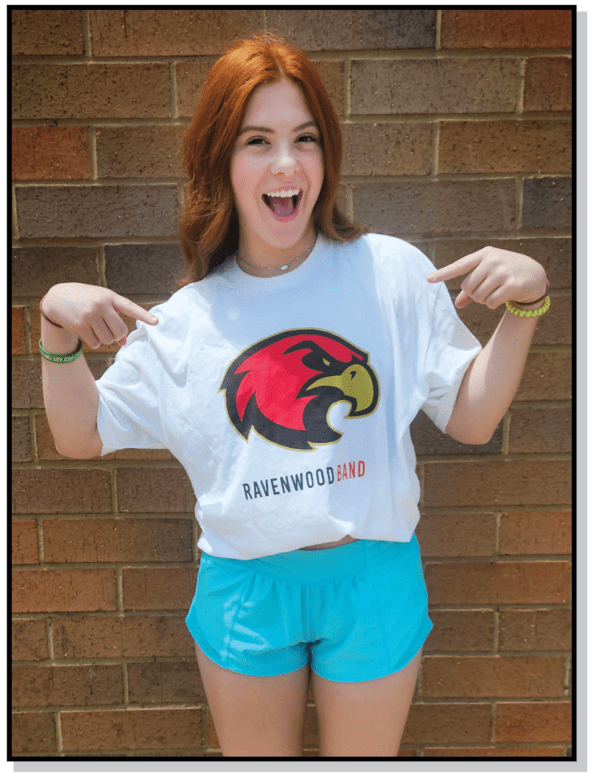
pixel 364 719
pixel 256 716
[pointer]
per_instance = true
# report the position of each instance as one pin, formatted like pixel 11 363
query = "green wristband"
pixel 59 359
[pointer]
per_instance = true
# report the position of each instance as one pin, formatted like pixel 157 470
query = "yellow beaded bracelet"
pixel 529 313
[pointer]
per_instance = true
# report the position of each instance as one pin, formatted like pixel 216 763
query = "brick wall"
pixel 457 129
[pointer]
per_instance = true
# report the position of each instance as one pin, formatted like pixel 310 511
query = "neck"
pixel 258 264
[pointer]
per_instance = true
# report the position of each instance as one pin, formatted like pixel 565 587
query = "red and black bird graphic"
pixel 284 386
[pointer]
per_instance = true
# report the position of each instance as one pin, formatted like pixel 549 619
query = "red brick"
pixel 130 729
pixel 540 430
pixel 17 332
pixel 506 29
pixel 60 490
pixel 505 146
pixel 317 29
pixel 548 85
pixel 160 682
pixel 191 76
pixel 117 540
pixel 68 590
pixel 66 685
pixel 492 677
pixel 158 32
pixel 448 723
pixel 528 722
pixel 21 439
pixel 154 490
pixel 50 153
pixel 433 86
pixel 535 533
pixel 24 542
pixel 546 377
pixel 140 152
pixel 378 148
pixel 516 482
pixel 460 631
pixel 535 630
pixel 408 208
pixel 503 582
pixel 29 640
pixel 462 535
pixel 155 589
pixel 123 211
pixel 36 269
pixel 33 733
pixel 493 751
pixel 91 91
pixel 46 32
pixel 130 636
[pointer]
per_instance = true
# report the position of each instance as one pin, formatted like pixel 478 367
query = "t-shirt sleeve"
pixel 129 397
pixel 450 350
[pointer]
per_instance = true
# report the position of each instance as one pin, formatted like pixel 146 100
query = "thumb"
pixel 133 310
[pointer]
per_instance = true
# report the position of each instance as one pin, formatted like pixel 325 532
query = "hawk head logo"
pixel 284 386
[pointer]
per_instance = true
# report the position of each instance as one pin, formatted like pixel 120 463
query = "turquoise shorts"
pixel 354 612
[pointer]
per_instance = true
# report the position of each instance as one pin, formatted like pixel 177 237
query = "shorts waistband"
pixel 321 565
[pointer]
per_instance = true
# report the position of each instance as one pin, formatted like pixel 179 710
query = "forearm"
pixel 491 382
pixel 70 397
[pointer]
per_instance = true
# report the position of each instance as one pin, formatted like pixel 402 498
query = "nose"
pixel 284 159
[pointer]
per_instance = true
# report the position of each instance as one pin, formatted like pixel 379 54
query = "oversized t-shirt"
pixel 288 400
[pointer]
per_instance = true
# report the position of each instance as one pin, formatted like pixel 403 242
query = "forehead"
pixel 279 99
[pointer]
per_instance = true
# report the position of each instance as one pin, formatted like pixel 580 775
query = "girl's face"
pixel 278 151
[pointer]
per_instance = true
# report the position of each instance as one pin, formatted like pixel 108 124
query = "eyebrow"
pixel 310 123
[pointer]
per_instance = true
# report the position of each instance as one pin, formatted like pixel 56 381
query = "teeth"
pixel 284 193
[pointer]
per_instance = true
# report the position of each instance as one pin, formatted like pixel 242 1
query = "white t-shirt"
pixel 288 400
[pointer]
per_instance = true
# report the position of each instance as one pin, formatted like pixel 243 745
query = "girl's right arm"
pixel 70 392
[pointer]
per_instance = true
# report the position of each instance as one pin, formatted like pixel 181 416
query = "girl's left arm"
pixel 491 381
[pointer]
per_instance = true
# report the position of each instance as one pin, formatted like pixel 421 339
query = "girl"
pixel 284 375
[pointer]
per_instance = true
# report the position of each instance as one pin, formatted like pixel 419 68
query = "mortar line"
pixel 519 186
pixel 347 109
pixel 173 79
pixel 14 212
pixel 93 152
pixel 521 86
pixel 435 151
pixel 368 54
pixel 27 323
pixel 506 431
pixel 59 738
pixel 438 30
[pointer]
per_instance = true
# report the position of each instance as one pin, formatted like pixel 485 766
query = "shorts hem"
pixel 413 652
pixel 211 654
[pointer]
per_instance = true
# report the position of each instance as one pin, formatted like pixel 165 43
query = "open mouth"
pixel 283 208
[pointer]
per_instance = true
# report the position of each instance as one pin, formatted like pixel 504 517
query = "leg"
pixel 364 719
pixel 256 716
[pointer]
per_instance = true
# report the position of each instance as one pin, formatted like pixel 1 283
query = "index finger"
pixel 133 310
pixel 459 267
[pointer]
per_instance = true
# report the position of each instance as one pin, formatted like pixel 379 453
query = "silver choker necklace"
pixel 284 267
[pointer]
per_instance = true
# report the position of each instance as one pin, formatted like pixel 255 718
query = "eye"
pixel 255 140
pixel 308 137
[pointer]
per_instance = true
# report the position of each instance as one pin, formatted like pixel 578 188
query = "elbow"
pixel 82 452
pixel 471 436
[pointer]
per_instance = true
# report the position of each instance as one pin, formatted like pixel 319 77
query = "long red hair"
pixel 209 227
